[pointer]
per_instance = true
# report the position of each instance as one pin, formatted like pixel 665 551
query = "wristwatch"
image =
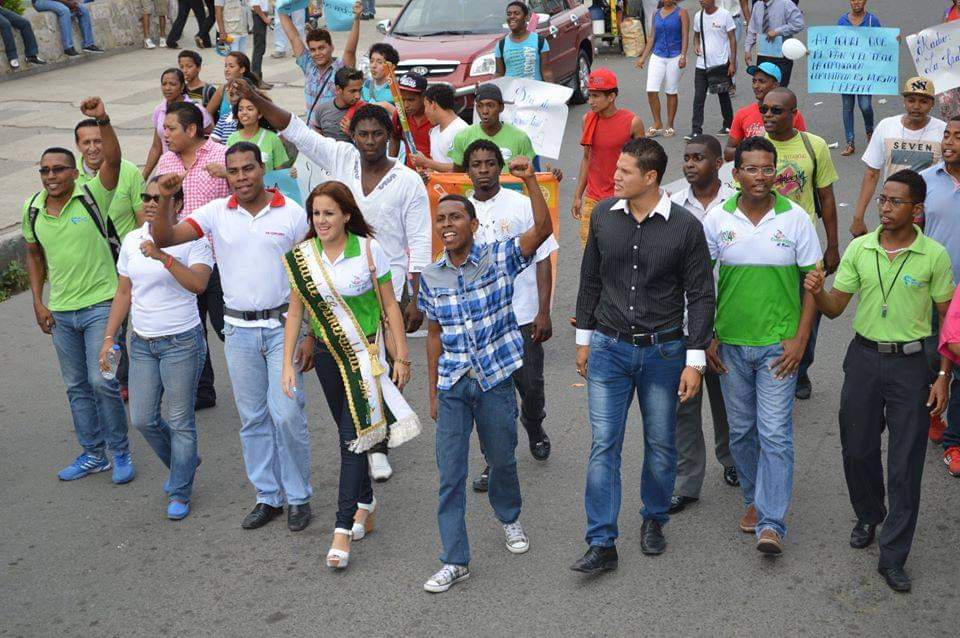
pixel 104 122
pixel 701 368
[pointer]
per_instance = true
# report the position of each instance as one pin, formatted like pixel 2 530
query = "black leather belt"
pixel 643 338
pixel 256 315
pixel 891 347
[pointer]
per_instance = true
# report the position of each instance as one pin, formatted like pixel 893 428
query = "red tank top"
pixel 609 136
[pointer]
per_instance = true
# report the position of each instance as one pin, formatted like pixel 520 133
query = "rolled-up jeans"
pixel 99 417
pixel 865 102
pixel 615 371
pixel 760 415
pixel 168 367
pixel 65 17
pixel 273 427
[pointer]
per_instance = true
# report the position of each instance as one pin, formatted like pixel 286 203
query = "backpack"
pixel 540 44
pixel 107 230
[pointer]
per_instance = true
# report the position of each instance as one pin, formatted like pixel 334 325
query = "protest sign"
pixel 936 52
pixel 285 183
pixel 853 60
pixel 539 109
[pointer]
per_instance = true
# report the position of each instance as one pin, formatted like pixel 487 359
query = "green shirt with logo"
pixel 795 174
pixel 913 281
pixel 80 266
pixel 126 197
pixel 513 142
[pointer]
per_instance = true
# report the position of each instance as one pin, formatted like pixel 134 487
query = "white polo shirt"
pixel 250 250
pixel 159 305
pixel 508 214
pixel 688 200
pixel 397 209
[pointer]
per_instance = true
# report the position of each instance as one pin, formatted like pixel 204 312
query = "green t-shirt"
pixel 126 197
pixel 79 263
pixel 512 141
pixel 925 277
pixel 795 167
pixel 272 151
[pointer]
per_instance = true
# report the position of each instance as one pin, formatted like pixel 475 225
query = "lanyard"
pixel 886 293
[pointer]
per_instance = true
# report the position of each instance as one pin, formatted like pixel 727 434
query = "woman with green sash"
pixel 342 277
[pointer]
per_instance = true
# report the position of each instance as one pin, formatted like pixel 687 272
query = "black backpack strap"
pixel 103 222
pixel 541 42
pixel 817 207
pixel 501 44
pixel 32 213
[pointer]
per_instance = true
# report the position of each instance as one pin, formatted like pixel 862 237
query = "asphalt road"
pixel 92 558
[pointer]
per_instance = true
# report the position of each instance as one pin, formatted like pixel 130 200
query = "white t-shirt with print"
pixel 894 147
pixel 716 25
pixel 441 141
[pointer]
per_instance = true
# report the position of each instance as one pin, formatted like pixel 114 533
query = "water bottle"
pixel 113 360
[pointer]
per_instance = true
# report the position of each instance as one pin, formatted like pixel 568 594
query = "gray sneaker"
pixel 517 541
pixel 446 578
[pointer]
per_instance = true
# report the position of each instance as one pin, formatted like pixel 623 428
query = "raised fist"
pixel 170 183
pixel 93 107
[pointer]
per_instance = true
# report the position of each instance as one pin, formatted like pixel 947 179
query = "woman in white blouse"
pixel 158 289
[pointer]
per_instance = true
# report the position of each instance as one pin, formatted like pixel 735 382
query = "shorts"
pixel 663 73
pixel 586 212
pixel 155 8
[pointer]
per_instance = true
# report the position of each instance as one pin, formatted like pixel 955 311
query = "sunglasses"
pixel 56 170
pixel 776 110
pixel 146 198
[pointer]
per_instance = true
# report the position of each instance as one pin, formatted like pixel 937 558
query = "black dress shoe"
pixel 597 559
pixel 896 578
pixel 679 503
pixel 33 59
pixel 730 476
pixel 540 448
pixel 652 541
pixel 260 516
pixel 482 482
pixel 70 52
pixel 804 388
pixel 298 517
pixel 862 535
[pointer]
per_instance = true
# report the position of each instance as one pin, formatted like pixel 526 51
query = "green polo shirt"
pixel 79 264
pixel 926 277
pixel 126 197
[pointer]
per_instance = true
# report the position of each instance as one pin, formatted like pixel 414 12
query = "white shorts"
pixel 663 73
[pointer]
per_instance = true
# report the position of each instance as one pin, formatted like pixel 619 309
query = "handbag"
pixel 718 80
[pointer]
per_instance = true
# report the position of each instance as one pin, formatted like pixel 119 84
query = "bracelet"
pixel 402 361
pixel 941 374
pixel 108 337
pixel 168 262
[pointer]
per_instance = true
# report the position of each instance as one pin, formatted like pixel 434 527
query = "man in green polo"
pixel 64 226
pixel 888 382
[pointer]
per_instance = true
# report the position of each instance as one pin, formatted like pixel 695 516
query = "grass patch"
pixel 13 280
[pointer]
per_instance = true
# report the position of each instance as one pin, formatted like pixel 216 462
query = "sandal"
pixel 849 150
pixel 337 558
pixel 369 523
pixel 669 132
pixel 653 131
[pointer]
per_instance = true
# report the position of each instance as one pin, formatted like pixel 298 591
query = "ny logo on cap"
pixel 919 85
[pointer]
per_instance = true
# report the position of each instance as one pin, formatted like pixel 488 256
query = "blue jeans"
pixel 495 413
pixel 168 366
pixel 280 42
pixel 99 417
pixel 865 102
pixel 10 21
pixel 615 371
pixel 64 16
pixel 760 413
pixel 273 427
pixel 369 6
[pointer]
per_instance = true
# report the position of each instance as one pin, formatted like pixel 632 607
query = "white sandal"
pixel 654 132
pixel 369 523
pixel 669 132
pixel 337 558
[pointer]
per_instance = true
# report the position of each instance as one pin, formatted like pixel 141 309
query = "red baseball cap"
pixel 602 80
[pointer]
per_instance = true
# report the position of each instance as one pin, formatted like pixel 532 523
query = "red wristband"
pixel 169 262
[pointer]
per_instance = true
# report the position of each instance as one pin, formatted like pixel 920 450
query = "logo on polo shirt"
pixel 913 283
pixel 78 219
pixel 782 241
pixel 727 237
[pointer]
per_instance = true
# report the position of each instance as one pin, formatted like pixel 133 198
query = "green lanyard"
pixel 886 293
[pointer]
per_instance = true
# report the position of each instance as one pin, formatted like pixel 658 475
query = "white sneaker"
pixel 161 43
pixel 380 469
pixel 517 541
pixel 446 578
pixel 14 64
pixel 148 44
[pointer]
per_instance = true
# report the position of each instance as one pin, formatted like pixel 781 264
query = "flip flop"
pixel 669 132
pixel 654 132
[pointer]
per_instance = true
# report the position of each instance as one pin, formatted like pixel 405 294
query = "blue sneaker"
pixel 83 465
pixel 123 470
pixel 177 510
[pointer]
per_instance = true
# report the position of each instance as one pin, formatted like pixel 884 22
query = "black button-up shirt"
pixel 635 275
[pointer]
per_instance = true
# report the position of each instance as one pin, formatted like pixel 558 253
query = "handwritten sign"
pixel 853 60
pixel 936 52
pixel 539 109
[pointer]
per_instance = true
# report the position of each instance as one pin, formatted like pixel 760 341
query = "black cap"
pixel 413 82
pixel 489 92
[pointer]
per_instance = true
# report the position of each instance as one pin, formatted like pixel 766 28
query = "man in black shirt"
pixel 644 256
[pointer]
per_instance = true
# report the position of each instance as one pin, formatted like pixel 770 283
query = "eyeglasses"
pixel 775 110
pixel 753 171
pixel 146 198
pixel 896 202
pixel 56 170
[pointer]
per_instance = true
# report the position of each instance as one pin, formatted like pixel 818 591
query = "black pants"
pixel 528 381
pixel 123 368
pixel 210 304
pixel 786 67
pixel 355 485
pixel 885 390
pixel 184 7
pixel 209 22
pixel 259 45
pixel 700 98
pixel 810 352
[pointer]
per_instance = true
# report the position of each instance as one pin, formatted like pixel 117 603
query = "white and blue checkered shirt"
pixel 473 305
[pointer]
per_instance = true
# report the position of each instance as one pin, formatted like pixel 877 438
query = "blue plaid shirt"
pixel 473 305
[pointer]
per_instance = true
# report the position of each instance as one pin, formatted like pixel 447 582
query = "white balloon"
pixel 794 49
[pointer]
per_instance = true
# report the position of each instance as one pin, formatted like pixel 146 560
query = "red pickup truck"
pixel 452 41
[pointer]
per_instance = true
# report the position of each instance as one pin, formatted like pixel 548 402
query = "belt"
pixel 891 347
pixel 643 338
pixel 256 315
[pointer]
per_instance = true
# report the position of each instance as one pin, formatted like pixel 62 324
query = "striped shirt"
pixel 473 305
pixel 634 275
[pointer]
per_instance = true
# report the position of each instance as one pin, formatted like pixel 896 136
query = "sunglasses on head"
pixel 147 198
pixel 776 110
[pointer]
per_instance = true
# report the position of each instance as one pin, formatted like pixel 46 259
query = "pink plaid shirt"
pixel 198 187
